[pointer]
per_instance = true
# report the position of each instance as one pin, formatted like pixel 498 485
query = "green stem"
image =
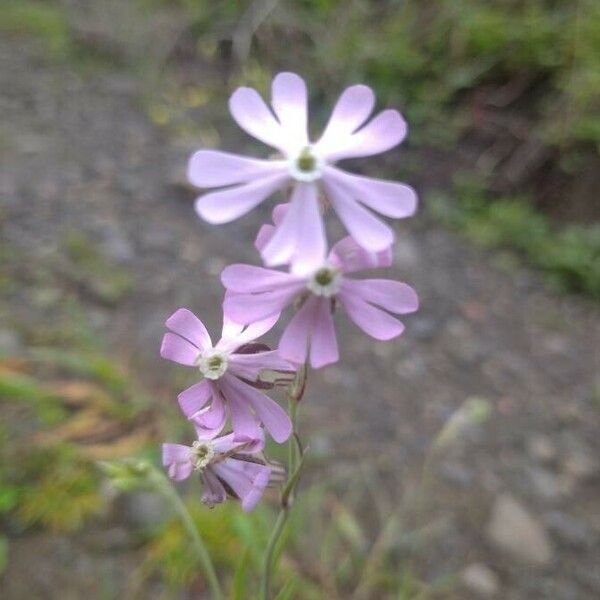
pixel 293 410
pixel 295 461
pixel 282 518
pixel 170 494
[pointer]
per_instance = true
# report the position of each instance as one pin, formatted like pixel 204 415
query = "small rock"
pixel 10 342
pixel 550 486
pixel 541 448
pixel 144 509
pixel 457 474
pixel 423 328
pixel 481 580
pixel 580 465
pixel 513 529
pixel 570 530
pixel 118 248
pixel 113 538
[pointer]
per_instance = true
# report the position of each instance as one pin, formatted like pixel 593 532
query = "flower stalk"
pixel 295 464
pixel 163 485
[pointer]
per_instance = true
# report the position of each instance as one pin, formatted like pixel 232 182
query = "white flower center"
pixel 202 453
pixel 212 364
pixel 325 282
pixel 306 166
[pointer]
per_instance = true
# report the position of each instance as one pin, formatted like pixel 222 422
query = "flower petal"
pixel 389 198
pixel 350 112
pixel 290 103
pixel 243 422
pixel 226 205
pixel 211 420
pixel 236 335
pixel 251 279
pixel 228 442
pixel 249 308
pixel 252 114
pixel 300 237
pixel 177 460
pixel 248 480
pixel 394 296
pixel 293 345
pixel 373 321
pixel 194 398
pixel 178 350
pixel 282 244
pixel 367 230
pixel 382 133
pixel 323 342
pixel 274 418
pixel 215 492
pixel 265 233
pixel 279 211
pixel 186 324
pixel 212 168
pixel 348 256
pixel 250 366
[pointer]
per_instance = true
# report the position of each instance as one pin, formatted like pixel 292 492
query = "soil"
pixel 79 153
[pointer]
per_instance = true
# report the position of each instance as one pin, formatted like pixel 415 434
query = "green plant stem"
pixel 295 462
pixel 282 518
pixel 293 412
pixel 172 496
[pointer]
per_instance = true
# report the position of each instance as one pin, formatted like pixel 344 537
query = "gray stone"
pixel 144 509
pixel 457 474
pixel 581 465
pixel 514 530
pixel 541 448
pixel 481 580
pixel 10 342
pixel 569 530
pixel 549 486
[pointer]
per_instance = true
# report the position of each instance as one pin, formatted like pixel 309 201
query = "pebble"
pixel 513 529
pixel 550 486
pixel 423 328
pixel 10 342
pixel 541 448
pixel 144 509
pixel 570 530
pixel 481 580
pixel 580 465
pixel 457 474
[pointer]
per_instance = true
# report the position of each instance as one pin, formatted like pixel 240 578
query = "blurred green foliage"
pixel 45 21
pixel 569 256
pixel 55 425
pixel 441 61
pixel 424 56
pixel 421 56
pixel 347 561
pixel 87 267
pixel 449 65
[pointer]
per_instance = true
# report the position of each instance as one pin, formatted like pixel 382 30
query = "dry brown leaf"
pixel 124 446
pixel 78 393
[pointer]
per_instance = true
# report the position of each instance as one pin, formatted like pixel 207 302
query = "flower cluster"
pixel 236 370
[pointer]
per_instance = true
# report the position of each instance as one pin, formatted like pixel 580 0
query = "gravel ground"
pixel 518 494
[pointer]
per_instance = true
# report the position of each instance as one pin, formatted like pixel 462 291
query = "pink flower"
pixel 255 293
pixel 226 465
pixel 309 167
pixel 232 371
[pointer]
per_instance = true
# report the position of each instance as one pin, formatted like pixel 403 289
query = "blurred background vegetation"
pixel 502 96
pixel 503 100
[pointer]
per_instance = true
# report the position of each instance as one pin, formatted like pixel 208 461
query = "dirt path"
pixel 79 154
